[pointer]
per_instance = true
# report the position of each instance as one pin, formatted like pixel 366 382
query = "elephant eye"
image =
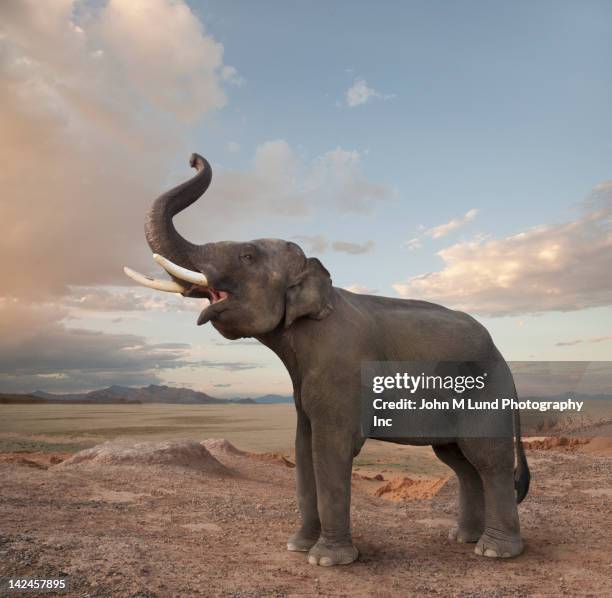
pixel 247 257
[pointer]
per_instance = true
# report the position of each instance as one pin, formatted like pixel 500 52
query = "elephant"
pixel 269 290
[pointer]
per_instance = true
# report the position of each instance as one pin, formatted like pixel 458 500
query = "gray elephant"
pixel 269 290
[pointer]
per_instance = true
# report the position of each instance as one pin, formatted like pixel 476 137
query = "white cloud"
pixel 230 74
pixel 160 49
pixel 319 244
pixel 439 231
pixel 358 288
pixel 281 182
pixel 314 243
pixel 413 243
pixel 92 108
pixel 560 267
pixel 353 248
pixel 338 174
pixel 442 230
pixel 360 93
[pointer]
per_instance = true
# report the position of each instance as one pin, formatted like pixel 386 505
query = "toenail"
pixel 313 560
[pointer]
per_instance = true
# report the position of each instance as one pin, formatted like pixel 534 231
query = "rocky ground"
pixel 191 519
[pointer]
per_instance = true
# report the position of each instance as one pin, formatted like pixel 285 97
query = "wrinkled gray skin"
pixel 322 334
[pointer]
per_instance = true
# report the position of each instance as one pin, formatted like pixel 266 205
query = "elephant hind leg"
pixel 494 461
pixel 471 520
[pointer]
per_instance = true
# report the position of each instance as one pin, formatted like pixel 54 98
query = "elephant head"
pixel 253 287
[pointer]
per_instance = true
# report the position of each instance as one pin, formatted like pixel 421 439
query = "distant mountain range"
pixel 267 399
pixel 146 395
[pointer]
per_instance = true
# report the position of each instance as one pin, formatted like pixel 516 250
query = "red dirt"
pixel 169 530
pixel 556 442
pixel 36 460
pixel 376 478
pixel 403 488
pixel 222 447
pixel 277 458
pixel 599 446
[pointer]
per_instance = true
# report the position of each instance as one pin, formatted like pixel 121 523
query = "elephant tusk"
pixel 153 283
pixel 180 272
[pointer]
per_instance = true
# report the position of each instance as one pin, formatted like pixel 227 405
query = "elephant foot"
pixel 303 540
pixel 497 547
pixel 327 554
pixel 464 534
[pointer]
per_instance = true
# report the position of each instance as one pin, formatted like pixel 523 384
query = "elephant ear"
pixel 310 295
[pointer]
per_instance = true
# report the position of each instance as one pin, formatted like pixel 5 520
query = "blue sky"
pixel 453 126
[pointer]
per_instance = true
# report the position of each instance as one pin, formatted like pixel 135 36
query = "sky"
pixel 455 152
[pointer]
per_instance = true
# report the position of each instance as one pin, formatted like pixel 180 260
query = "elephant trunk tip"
pixel 198 162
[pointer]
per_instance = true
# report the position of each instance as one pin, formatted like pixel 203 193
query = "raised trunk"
pixel 161 235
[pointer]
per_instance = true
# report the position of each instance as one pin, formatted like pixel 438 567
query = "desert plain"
pixel 202 501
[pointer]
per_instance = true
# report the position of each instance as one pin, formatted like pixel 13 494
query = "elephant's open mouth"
pixel 186 282
pixel 213 295
pixel 216 298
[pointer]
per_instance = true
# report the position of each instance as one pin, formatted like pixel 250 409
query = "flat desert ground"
pixel 215 523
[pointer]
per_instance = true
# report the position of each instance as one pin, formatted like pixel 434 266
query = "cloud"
pixel 230 366
pixel 597 339
pixel 94 101
pixel 281 182
pixel 359 93
pixel 230 74
pixel 314 243
pixel 47 354
pixel 232 147
pixel 99 299
pixel 237 343
pixel 560 267
pixel 352 248
pixel 441 230
pixel 98 100
pixel 319 244
pixel 414 243
pixel 357 288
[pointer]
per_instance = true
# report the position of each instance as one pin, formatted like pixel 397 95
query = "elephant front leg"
pixel 308 534
pixel 333 461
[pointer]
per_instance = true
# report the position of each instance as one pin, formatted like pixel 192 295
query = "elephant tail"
pixel 522 476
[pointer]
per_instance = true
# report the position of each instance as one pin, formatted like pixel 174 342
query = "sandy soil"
pixel 160 530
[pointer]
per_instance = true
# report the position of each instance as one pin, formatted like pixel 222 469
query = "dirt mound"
pixel 404 488
pixel 555 442
pixel 35 460
pixel 170 453
pixel 221 446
